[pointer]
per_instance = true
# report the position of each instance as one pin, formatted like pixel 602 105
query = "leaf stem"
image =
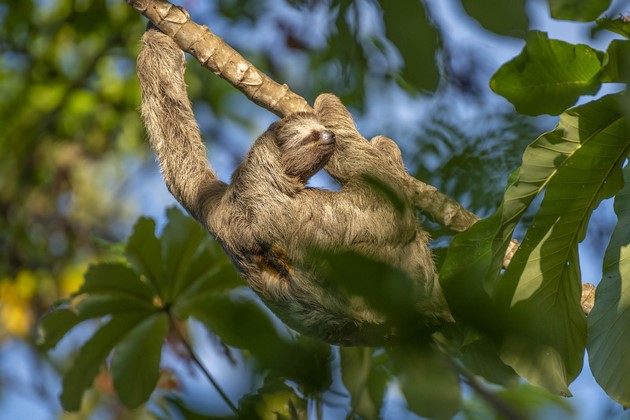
pixel 201 366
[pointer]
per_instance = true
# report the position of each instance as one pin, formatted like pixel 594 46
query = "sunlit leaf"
pixel 274 400
pixel 91 358
pixel 619 26
pixel 136 361
pixel 578 165
pixel 580 10
pixel 501 17
pixel 616 66
pixel 548 76
pixel 608 333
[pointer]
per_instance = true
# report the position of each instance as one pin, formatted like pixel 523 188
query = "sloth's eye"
pixel 312 138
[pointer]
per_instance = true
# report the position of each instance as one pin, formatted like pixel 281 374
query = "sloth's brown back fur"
pixel 267 219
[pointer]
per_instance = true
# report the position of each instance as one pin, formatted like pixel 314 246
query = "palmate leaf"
pixel 579 164
pixel 92 356
pixel 180 240
pixel 182 262
pixel 136 362
pixel 548 76
pixel 609 336
pixel 144 251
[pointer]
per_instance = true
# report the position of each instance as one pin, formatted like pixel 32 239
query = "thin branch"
pixel 201 366
pixel 502 408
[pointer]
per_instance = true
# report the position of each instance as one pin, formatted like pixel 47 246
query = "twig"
pixel 201 366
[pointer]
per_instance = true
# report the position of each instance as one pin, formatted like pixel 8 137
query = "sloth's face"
pixel 306 145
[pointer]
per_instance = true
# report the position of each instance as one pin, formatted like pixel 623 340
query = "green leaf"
pixel 474 260
pixel 239 323
pixel 578 164
pixel 482 358
pixel 245 325
pixel 364 379
pixel 274 400
pixel 616 67
pixel 54 326
pixel 144 251
pixel 429 385
pixel 619 26
pixel 548 75
pixel 609 336
pixel 96 306
pixel 208 272
pixel 116 280
pixel 501 17
pixel 388 289
pixel 180 239
pixel 136 362
pixel 92 356
pixel 580 10
pixel 407 26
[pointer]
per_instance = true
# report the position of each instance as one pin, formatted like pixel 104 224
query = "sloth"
pixel 268 220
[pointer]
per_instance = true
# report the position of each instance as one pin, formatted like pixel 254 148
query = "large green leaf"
pixel 407 26
pixel 579 164
pixel 429 384
pixel 616 66
pixel 475 257
pixel 501 17
pixel 581 10
pixel 608 332
pixel 145 253
pixel 92 356
pixel 618 26
pixel 136 361
pixel 482 358
pixel 548 76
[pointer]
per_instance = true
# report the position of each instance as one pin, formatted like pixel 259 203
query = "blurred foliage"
pixel 70 138
pixel 501 17
pixel 68 108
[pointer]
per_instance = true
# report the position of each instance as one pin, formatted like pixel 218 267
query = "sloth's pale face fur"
pixel 268 220
pixel 305 145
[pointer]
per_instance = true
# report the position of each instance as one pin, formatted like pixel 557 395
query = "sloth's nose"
pixel 328 137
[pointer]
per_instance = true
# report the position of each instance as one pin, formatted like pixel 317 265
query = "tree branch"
pixel 225 62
